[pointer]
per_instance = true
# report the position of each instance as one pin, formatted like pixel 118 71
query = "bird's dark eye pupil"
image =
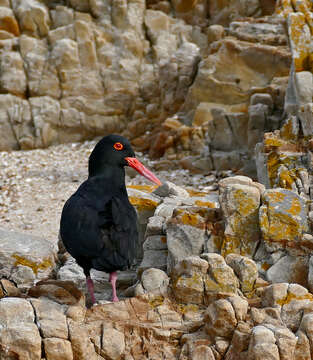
pixel 118 146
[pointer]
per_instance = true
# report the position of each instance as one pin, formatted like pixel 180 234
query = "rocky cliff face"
pixel 72 70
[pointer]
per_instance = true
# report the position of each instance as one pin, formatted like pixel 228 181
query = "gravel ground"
pixel 35 184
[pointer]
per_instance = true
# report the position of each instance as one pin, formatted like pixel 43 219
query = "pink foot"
pixel 112 279
pixel 90 288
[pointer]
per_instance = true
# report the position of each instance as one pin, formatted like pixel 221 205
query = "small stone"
pixel 113 344
pixel 170 189
pixel 58 349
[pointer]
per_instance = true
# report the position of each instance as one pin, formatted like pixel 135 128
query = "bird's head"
pixel 116 151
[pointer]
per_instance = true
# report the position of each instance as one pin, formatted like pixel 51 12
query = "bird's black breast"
pixel 99 229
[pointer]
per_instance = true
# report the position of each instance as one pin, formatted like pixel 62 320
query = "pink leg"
pixel 90 288
pixel 112 279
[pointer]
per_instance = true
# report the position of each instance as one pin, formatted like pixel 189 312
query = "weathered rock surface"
pixel 26 259
pixel 169 320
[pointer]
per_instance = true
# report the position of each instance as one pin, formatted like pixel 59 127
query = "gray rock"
pixel 260 98
pixel 26 258
pixel 154 279
pixel 184 239
pixel 168 189
pixel 155 242
pixel 155 226
pixel 310 274
pixel 291 269
pixel 19 334
pixel 153 258
pixel 166 209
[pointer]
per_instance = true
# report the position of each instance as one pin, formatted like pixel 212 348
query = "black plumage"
pixel 98 223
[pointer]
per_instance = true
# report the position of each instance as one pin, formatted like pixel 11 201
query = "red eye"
pixel 118 146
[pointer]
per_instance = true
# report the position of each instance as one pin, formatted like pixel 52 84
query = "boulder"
pixel 283 219
pixel 19 336
pixel 186 234
pixel 240 200
pixel 25 258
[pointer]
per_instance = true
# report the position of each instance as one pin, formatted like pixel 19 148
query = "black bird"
pixel 98 223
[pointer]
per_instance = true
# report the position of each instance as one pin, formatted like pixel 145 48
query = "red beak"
pixel 137 165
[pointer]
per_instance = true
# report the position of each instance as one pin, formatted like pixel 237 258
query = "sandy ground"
pixel 35 184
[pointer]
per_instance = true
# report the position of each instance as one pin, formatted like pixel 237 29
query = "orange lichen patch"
pixel 272 166
pixel 184 217
pixel 192 192
pixel 45 264
pixel 286 300
pixel 230 245
pixel 279 172
pixel 163 239
pixel 156 301
pixel 283 229
pixel 190 219
pixel 183 309
pixel 10 25
pixel 303 6
pixel 273 142
pixel 205 204
pixel 287 178
pixel 246 204
pixel 288 131
pixel 224 285
pixel 284 7
pixel 299 36
pixel 265 266
pixel 295 207
pixel 146 188
pixel 142 204
pixel 276 196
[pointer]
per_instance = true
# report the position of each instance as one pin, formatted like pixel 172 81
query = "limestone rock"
pixel 240 201
pixel 246 271
pixel 57 349
pixel 153 258
pixel 186 234
pixel 63 292
pixel 154 280
pixel 221 317
pixel 263 344
pixel 50 318
pixel 289 269
pixel 33 17
pixel 221 280
pixel 26 259
pixel 283 218
pixel 113 344
pixel 221 14
pixel 19 336
pixel 188 280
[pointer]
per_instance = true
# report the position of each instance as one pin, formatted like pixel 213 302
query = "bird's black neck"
pixel 114 176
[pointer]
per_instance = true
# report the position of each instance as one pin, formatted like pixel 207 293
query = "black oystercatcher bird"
pixel 98 223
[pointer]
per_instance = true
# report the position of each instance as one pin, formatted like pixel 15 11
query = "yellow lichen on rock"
pixel 10 25
pixel 208 204
pixel 142 204
pixel 283 218
pixel 145 188
pixel 290 297
pixel 246 203
pixel 45 264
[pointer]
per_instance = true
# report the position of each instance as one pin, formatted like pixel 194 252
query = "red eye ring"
pixel 118 146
